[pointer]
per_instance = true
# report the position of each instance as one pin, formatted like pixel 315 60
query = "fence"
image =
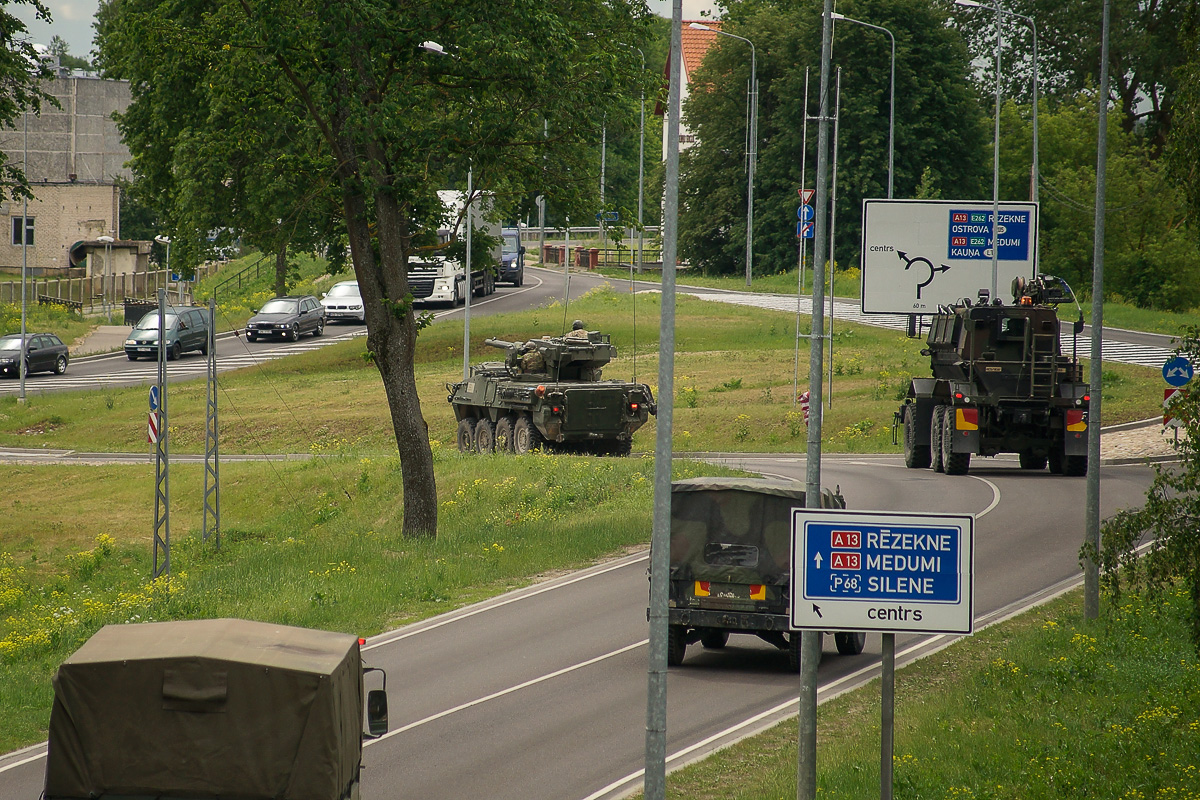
pixel 95 290
pixel 593 257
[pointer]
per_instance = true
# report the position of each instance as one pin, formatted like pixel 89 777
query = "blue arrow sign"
pixel 154 398
pixel 804 230
pixel 804 213
pixel 1177 371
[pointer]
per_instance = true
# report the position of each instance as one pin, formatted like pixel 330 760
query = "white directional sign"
pixel 882 571
pixel 919 254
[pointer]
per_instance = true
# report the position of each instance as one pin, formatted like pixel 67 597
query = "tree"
pixel 939 124
pixel 346 94
pixel 1167 528
pixel 1148 40
pixel 58 47
pixel 20 71
pixel 1183 152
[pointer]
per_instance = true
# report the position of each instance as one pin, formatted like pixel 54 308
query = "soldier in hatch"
pixel 578 331
pixel 531 358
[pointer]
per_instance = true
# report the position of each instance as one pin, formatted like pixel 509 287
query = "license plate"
pixel 144 349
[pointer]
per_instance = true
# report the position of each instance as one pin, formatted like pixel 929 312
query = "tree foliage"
pixel 311 111
pixel 1184 150
pixel 1158 545
pixel 940 132
pixel 20 72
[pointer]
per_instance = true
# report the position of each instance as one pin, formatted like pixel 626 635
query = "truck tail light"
pixel 703 588
pixel 555 409
pixel 758 591
pixel 966 419
pixel 1075 420
pixel 633 408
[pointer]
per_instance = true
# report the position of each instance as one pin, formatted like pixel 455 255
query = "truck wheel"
pixel 935 438
pixel 485 436
pixel 1075 466
pixel 793 649
pixel 526 436
pixel 1056 460
pixel 714 638
pixel 676 644
pixel 850 643
pixel 466 435
pixel 1031 460
pixel 916 456
pixel 456 299
pixel 952 463
pixel 504 435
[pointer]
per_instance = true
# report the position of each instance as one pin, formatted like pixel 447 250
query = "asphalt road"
pixel 541 693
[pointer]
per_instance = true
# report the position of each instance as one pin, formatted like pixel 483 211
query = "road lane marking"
pixel 508 691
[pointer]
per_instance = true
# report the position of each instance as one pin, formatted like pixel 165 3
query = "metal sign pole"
pixel 212 461
pixel 800 266
pixel 837 113
pixel 162 485
pixel 887 718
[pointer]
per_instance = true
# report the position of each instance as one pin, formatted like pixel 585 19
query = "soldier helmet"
pixel 577 325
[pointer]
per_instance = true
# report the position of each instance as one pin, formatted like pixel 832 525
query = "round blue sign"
pixel 1177 371
pixel 154 398
pixel 804 213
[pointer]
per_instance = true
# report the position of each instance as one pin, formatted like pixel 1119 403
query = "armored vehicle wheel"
pixel 676 644
pixel 485 436
pixel 504 435
pixel 916 456
pixel 952 463
pixel 1075 466
pixel 795 639
pixel 714 638
pixel 466 435
pixel 1056 461
pixel 618 447
pixel 526 436
pixel 935 438
pixel 850 643
pixel 1031 460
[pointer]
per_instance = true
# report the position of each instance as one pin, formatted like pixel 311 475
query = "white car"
pixel 343 302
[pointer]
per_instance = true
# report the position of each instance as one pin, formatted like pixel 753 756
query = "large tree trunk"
pixel 392 337
pixel 281 270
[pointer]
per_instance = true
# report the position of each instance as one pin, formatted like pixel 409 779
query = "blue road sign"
pixel 1177 371
pixel 880 571
pixel 804 230
pixel 608 216
pixel 154 398
pixel 971 234
pixel 804 213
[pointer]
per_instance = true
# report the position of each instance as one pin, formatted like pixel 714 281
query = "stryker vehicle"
pixel 1000 384
pixel 208 709
pixel 549 390
pixel 731 563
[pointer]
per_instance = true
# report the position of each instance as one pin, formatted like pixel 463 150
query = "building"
pixel 73 156
pixel 695 45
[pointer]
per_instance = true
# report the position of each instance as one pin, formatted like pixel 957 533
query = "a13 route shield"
pixel 882 571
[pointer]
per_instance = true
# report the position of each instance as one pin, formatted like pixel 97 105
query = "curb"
pixel 121 351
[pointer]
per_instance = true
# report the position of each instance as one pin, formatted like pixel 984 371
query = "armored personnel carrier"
pixel 549 391
pixel 1001 384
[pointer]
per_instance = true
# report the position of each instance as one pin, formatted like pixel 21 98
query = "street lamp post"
pixel 167 241
pixel 891 95
pixel 641 156
pixel 104 279
pixel 751 140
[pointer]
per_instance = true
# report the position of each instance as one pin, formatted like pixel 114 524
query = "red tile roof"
pixel 695 45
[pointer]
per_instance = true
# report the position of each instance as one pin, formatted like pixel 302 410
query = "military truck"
pixel 1001 384
pixel 549 391
pixel 731 564
pixel 216 708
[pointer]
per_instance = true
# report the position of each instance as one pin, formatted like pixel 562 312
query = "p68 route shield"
pixel 882 571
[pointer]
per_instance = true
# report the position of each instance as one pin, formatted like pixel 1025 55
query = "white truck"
pixel 443 280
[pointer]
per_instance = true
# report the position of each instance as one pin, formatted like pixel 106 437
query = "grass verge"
pixel 1046 705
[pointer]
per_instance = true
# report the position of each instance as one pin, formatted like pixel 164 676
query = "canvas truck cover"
pixel 207 708
pixel 736 530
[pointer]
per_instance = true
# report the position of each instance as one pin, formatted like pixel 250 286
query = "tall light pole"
pixel 167 241
pixel 641 154
pixel 751 140
pixel 108 240
pixel 891 95
pixel 24 254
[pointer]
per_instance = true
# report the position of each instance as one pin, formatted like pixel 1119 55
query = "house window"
pixel 19 223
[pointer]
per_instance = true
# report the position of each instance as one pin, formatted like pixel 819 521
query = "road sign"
pixel 1177 371
pixel 608 216
pixel 919 254
pixel 804 213
pixel 154 398
pixel 804 230
pixel 152 428
pixel 882 571
pixel 1170 396
pixel 807 195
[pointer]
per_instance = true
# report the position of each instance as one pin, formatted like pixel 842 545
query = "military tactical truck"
pixel 1001 384
pixel 549 390
pixel 209 709
pixel 731 554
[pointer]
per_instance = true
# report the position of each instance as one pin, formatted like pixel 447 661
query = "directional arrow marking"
pixel 817 610
pixel 818 559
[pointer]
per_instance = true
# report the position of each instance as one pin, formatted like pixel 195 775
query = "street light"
pixel 751 140
pixel 167 241
pixel 641 154
pixel 891 94
pixel 108 240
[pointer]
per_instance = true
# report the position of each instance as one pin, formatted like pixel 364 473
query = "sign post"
pixel 882 571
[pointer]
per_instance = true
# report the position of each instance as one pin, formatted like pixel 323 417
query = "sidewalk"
pixel 105 339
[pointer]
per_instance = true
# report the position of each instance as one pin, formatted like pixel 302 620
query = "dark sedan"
pixel 45 353
pixel 287 317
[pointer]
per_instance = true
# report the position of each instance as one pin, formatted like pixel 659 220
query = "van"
pixel 185 329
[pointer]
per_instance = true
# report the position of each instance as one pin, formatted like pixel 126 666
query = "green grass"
pixel 1047 705
pixel 66 325
pixel 845 281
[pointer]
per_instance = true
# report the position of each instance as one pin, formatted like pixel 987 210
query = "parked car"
pixel 343 301
pixel 287 317
pixel 44 353
pixel 185 329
